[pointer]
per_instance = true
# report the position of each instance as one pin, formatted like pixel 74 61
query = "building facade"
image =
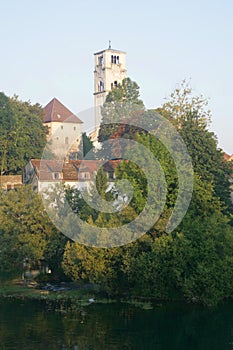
pixel 64 129
pixel 44 174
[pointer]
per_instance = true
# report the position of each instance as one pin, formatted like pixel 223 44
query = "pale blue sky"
pixel 47 50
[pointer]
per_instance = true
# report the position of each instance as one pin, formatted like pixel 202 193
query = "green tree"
pixel 127 91
pixel 22 134
pixel 207 159
pixel 7 130
pixel 26 230
pixel 122 101
pixel 182 102
pixel 87 144
pixel 202 265
pixel 191 116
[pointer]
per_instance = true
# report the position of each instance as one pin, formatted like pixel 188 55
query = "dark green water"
pixel 30 325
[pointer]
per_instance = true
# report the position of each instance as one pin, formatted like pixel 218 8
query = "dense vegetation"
pixel 22 134
pixel 194 262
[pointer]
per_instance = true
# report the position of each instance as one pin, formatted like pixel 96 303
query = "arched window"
pixel 115 59
pixel 101 86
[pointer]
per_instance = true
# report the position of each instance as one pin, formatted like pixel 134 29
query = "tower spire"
pixel 109 46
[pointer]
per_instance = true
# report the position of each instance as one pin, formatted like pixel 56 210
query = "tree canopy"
pixel 195 260
pixel 22 134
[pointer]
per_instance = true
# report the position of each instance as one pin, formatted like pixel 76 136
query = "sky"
pixel 47 51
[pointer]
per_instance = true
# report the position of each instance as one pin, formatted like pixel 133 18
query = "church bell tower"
pixel 110 70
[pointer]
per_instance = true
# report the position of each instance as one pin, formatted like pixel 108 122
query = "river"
pixel 32 325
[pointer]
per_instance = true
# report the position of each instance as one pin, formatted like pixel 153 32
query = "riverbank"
pixel 19 289
pixel 68 298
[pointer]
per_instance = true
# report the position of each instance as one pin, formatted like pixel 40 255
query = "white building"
pixel 109 71
pixel 44 174
pixel 64 129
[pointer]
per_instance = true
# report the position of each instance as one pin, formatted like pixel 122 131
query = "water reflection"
pixel 29 325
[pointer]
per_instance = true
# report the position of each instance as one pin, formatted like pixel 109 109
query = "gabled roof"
pixel 88 165
pixel 70 171
pixel 55 111
pixel 112 164
pixel 45 168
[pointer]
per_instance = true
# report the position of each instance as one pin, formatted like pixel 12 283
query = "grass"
pixel 66 301
pixel 63 301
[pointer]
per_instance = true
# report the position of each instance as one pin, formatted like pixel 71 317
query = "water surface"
pixel 33 325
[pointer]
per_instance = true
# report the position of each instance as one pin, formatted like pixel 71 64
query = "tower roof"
pixel 110 50
pixel 55 111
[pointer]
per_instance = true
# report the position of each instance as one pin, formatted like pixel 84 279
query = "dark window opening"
pixel 101 59
pixel 115 59
pixel 101 86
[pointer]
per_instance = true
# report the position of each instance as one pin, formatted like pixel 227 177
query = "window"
pixel 84 175
pixel 101 86
pixel 101 59
pixel 74 128
pixel 115 59
pixel 56 176
pixel 111 175
pixel 115 84
pixel 62 127
pixel 67 140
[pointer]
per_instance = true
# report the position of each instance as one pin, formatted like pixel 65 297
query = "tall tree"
pixel 122 102
pixel 22 134
pixel 87 144
pixel 190 114
pixel 7 130
pixel 26 230
pixel 127 91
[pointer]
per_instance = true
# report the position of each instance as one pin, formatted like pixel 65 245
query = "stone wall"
pixel 9 182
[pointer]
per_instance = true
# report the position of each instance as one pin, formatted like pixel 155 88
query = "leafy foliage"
pixel 26 231
pixel 22 134
pixel 195 261
pixel 87 144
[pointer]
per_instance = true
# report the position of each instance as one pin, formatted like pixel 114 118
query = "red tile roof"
pixel 55 111
pixel 228 157
pixel 45 169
